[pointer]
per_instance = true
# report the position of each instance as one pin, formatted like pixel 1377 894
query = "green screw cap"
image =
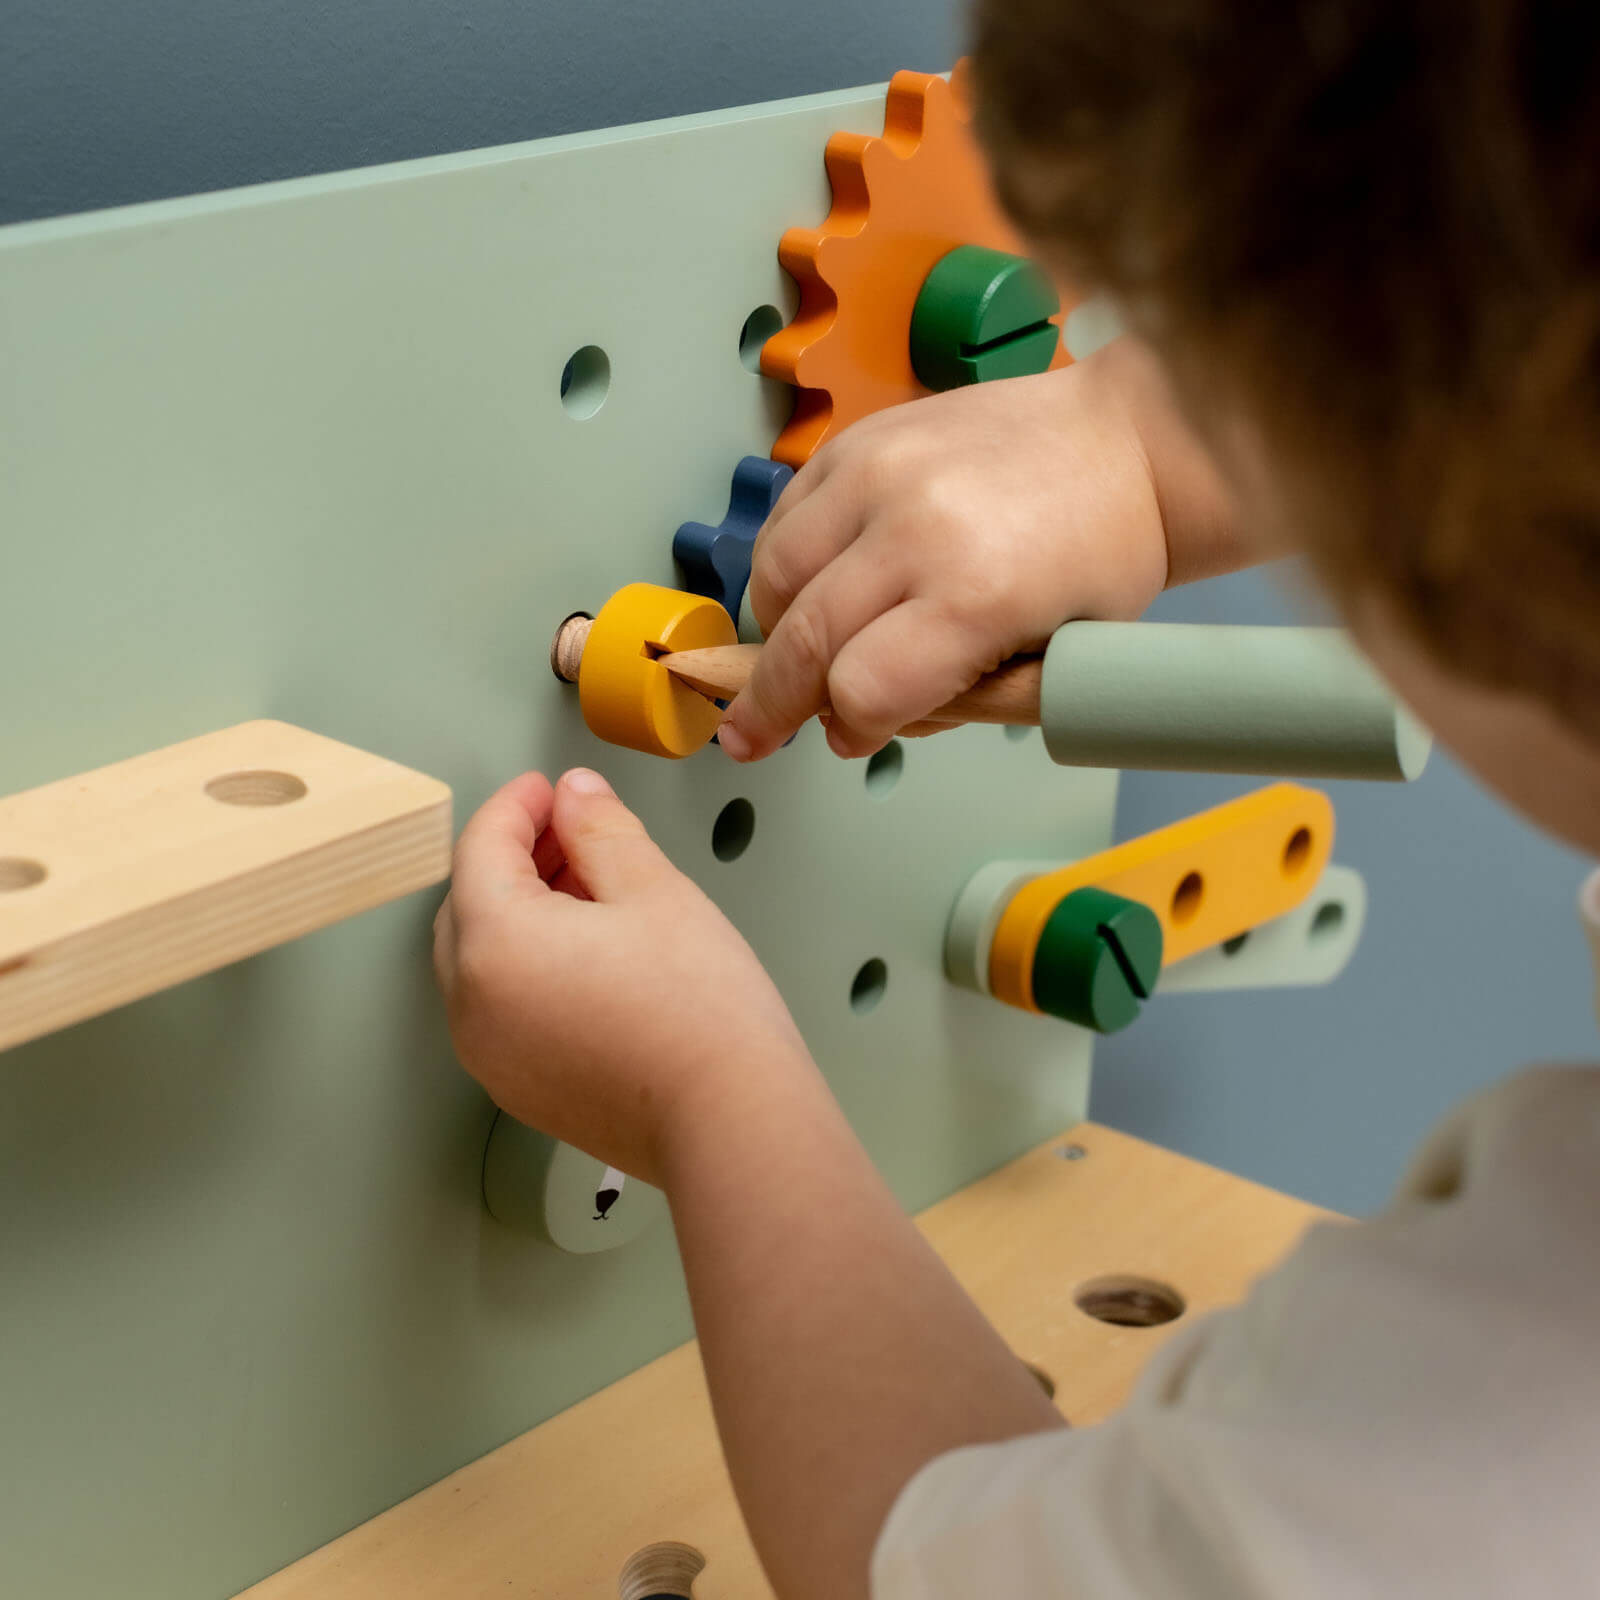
pixel 1098 958
pixel 981 315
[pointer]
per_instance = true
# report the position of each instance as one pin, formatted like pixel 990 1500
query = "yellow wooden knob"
pixel 627 696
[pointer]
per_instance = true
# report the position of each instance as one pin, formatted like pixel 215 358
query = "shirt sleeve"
pixel 1408 1406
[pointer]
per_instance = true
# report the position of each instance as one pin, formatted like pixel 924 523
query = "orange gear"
pixel 901 202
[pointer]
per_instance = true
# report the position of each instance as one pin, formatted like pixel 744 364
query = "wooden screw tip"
pixel 566 649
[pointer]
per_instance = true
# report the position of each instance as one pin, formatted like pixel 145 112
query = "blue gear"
pixel 716 561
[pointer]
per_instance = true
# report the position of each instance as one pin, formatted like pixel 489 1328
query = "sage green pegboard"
pixel 299 452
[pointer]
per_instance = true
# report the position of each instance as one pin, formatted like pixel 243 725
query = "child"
pixel 1357 244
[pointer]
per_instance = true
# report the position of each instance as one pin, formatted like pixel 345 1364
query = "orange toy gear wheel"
pixel 901 202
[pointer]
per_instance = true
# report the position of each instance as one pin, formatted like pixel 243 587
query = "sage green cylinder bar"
pixel 1280 702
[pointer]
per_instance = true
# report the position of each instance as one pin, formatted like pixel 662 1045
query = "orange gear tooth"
pixel 901 201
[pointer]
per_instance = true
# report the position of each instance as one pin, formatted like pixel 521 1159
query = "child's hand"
pixel 592 989
pixel 934 540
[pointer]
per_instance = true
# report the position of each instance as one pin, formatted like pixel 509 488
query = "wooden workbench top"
pixel 558 1511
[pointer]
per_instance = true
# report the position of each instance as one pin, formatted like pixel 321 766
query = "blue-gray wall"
pixel 1471 962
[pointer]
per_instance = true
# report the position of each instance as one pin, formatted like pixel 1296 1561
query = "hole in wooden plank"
pixel 19 872
pixel 664 1571
pixel 1129 1302
pixel 733 830
pixel 758 327
pixel 868 986
pixel 1296 852
pixel 256 788
pixel 1187 896
pixel 1042 1378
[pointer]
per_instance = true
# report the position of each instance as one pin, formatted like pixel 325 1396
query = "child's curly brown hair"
pixel 1375 226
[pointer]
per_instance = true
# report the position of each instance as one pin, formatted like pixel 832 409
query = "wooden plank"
pixel 559 1510
pixel 140 875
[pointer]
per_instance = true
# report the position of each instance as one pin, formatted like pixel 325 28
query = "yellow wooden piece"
pixel 129 879
pixel 1208 878
pixel 558 1511
pixel 628 697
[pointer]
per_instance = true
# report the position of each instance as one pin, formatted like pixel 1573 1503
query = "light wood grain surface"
pixel 1009 695
pixel 137 876
pixel 559 1511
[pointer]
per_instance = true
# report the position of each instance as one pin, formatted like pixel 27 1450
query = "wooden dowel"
pixel 1009 695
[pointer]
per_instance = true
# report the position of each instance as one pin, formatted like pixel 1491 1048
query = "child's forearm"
pixel 1197 513
pixel 841 1355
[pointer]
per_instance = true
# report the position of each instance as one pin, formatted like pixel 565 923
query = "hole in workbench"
pixel 1231 947
pixel 18 872
pixel 585 381
pixel 1042 1378
pixel 664 1571
pixel 1328 920
pixel 1187 896
pixel 867 988
pixel 1129 1302
pixel 733 830
pixel 758 327
pixel 256 788
pixel 1016 732
pixel 1297 851
pixel 884 769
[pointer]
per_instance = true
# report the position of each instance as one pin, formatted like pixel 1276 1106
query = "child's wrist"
pixel 729 1101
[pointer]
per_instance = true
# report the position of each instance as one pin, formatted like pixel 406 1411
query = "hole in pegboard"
pixel 256 788
pixel 1296 852
pixel 884 769
pixel 1329 919
pixel 1231 947
pixel 758 327
pixel 1187 896
pixel 19 872
pixel 868 986
pixel 733 830
pixel 1016 732
pixel 585 382
pixel 664 1571
pixel 1129 1302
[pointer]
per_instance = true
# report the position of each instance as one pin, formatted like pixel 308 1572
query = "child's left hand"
pixel 592 989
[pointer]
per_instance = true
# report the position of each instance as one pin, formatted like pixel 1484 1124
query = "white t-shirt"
pixel 1409 1407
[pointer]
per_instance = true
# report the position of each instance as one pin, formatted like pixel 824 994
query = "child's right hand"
pixel 934 540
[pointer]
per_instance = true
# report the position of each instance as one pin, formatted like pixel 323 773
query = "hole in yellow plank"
pixel 1296 852
pixel 1187 896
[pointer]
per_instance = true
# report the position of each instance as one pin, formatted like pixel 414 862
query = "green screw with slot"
pixel 1098 960
pixel 983 314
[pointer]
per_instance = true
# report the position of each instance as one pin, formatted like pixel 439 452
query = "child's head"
pixel 1364 236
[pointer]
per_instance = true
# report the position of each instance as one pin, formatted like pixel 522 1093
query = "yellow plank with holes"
pixel 1094 1219
pixel 1208 878
pixel 137 876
